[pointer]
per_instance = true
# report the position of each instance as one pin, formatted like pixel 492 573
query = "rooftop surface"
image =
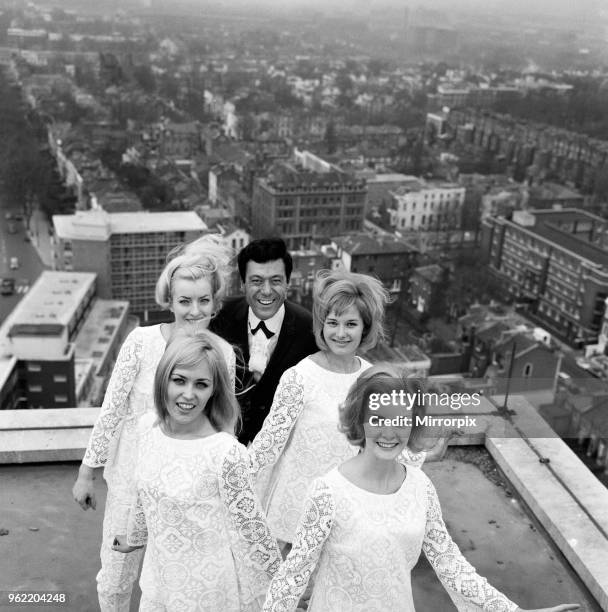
pixel 100 225
pixel 53 545
pixel 546 227
pixel 52 300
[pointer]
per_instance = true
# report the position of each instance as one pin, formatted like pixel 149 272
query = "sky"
pixel 549 7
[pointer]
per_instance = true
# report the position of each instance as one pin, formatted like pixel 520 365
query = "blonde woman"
pixel 300 439
pixel 208 545
pixel 191 286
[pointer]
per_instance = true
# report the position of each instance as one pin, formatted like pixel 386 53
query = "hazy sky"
pixel 549 7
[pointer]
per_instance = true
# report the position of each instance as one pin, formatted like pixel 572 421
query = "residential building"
pixel 127 251
pixel 555 264
pixel 427 288
pixel 522 365
pixel 387 257
pixel 380 186
pixel 64 341
pixel 427 205
pixel 182 140
pixel 308 200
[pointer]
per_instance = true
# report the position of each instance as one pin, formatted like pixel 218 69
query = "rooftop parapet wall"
pixel 567 499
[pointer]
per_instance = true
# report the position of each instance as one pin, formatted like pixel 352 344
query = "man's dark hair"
pixel 263 250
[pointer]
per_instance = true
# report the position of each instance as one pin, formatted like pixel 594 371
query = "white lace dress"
pixel 299 440
pixel 209 548
pixel 364 546
pixel 130 395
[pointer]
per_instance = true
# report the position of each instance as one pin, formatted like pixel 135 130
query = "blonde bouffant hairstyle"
pixel 335 291
pixel 186 349
pixel 206 257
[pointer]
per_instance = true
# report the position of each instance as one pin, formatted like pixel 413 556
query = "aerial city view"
pixel 304 305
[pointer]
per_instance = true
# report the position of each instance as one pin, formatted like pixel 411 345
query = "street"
pixel 15 245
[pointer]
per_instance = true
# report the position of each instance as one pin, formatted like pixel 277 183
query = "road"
pixel 14 245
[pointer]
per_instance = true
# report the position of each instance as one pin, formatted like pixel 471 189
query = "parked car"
pixel 7 287
pixel 14 263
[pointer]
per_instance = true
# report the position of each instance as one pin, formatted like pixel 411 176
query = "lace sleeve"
pixel 290 582
pixel 468 590
pixel 115 403
pixel 137 530
pixel 286 407
pixel 236 489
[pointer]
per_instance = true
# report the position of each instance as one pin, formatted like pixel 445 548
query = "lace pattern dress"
pixel 208 544
pixel 363 547
pixel 130 395
pixel 299 440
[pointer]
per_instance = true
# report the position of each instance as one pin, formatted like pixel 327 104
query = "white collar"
pixel 273 324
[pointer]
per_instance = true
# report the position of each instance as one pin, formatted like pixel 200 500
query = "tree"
pixel 144 77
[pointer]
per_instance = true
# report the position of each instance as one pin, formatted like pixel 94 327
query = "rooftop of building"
pixel 419 185
pixel 391 177
pixel 101 326
pixel 364 244
pixel 554 191
pixel 51 302
pixel 526 525
pixel 100 225
pixel 284 175
pixel 432 273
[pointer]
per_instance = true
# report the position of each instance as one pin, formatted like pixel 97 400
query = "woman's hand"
pixel 118 546
pixel 83 490
pixel 560 608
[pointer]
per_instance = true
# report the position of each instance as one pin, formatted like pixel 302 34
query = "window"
pixel 61 399
pixel 34 367
pixel 527 370
pixel 34 388
pixel 60 378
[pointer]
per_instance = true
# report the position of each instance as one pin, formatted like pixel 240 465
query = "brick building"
pixel 307 200
pixel 556 263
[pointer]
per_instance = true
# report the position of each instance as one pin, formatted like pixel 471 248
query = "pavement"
pixel 53 545
pixel 40 233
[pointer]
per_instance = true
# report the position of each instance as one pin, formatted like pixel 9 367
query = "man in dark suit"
pixel 272 333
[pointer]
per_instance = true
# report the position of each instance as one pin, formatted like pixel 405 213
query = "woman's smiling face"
pixel 192 302
pixel 387 430
pixel 343 333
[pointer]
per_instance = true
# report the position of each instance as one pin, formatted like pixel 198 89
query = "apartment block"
pixel 555 263
pixel 127 250
pixel 307 200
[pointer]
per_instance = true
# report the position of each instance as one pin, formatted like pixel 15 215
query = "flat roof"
pixel 101 326
pixel 546 227
pixel 51 302
pixel 100 225
pixel 391 178
pixel 356 244
pixel 55 545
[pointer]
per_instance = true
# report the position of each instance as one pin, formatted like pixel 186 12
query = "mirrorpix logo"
pixel 454 401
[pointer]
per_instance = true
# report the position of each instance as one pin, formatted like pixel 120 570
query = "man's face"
pixel 265 287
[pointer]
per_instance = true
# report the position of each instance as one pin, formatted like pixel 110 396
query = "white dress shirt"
pixel 261 347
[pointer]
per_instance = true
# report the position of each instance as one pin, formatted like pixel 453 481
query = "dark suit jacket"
pixel 295 342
